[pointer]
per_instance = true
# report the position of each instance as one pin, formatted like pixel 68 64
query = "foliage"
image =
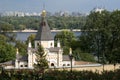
pixel 7 52
pixel 21 23
pixel 22 47
pixel 42 63
pixel 5 29
pixel 100 35
pixel 79 55
pixel 65 37
pixel 3 39
pixel 59 75
pixel 31 38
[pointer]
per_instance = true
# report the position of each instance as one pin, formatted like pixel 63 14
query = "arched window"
pixel 63 64
pixel 52 64
pixel 68 64
pixel 51 44
pixel 37 44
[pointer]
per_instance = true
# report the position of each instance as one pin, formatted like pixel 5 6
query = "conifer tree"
pixel 42 63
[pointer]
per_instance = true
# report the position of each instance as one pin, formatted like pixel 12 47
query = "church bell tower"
pixel 44 36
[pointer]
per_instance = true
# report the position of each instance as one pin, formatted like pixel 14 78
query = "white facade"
pixel 53 56
pixel 47 44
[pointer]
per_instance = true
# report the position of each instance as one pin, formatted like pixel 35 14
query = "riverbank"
pixel 29 30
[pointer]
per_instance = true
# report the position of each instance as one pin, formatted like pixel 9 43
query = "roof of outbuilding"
pixel 12 62
pixel 66 58
pixel 23 58
pixel 54 49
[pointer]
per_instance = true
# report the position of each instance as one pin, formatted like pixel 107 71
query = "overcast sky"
pixel 57 5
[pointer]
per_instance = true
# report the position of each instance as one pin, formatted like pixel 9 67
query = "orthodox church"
pixel 54 55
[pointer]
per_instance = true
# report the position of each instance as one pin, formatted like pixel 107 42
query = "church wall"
pixel 52 58
pixel 60 58
pixel 23 64
pixel 9 67
pixel 45 44
pixel 66 63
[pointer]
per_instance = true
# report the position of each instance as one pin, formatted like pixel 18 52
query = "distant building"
pixel 98 9
pixel 19 14
pixel 10 13
pixel 54 55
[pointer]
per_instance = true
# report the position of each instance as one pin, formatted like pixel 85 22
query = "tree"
pixel 101 35
pixel 95 33
pixel 42 63
pixel 22 47
pixel 22 27
pixel 79 55
pixel 6 30
pixel 31 38
pixel 7 52
pixel 65 37
pixel 114 40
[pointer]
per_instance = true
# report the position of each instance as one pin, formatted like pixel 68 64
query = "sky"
pixel 57 5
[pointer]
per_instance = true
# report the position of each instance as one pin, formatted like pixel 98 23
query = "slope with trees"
pixel 100 35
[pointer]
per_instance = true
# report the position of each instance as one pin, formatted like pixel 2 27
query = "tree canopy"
pixel 100 35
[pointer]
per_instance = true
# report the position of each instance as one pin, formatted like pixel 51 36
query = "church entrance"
pixel 52 64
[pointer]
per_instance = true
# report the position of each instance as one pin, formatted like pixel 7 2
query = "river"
pixel 24 35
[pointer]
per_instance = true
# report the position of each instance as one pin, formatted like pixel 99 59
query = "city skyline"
pixel 84 6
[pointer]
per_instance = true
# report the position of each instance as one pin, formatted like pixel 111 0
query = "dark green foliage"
pixel 31 38
pixel 7 52
pixel 21 23
pixel 101 35
pixel 22 47
pixel 59 75
pixel 78 55
pixel 42 63
pixel 65 37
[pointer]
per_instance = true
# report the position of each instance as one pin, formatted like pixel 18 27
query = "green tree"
pixel 65 37
pixel 21 27
pixel 100 35
pixel 31 38
pixel 96 33
pixel 79 55
pixel 7 52
pixel 6 30
pixel 114 40
pixel 42 63
pixel 22 47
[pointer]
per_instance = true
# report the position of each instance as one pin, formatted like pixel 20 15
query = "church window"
pixel 37 44
pixel 21 65
pixel 26 66
pixel 68 64
pixel 51 44
pixel 63 64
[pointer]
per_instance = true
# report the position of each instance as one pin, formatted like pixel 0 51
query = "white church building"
pixel 54 55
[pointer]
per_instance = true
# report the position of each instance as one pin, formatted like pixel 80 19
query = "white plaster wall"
pixel 45 44
pixel 9 67
pixel 66 63
pixel 23 63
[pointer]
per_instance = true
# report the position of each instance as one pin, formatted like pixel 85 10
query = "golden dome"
pixel 44 13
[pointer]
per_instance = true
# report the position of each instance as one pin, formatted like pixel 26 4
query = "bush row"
pixel 58 75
